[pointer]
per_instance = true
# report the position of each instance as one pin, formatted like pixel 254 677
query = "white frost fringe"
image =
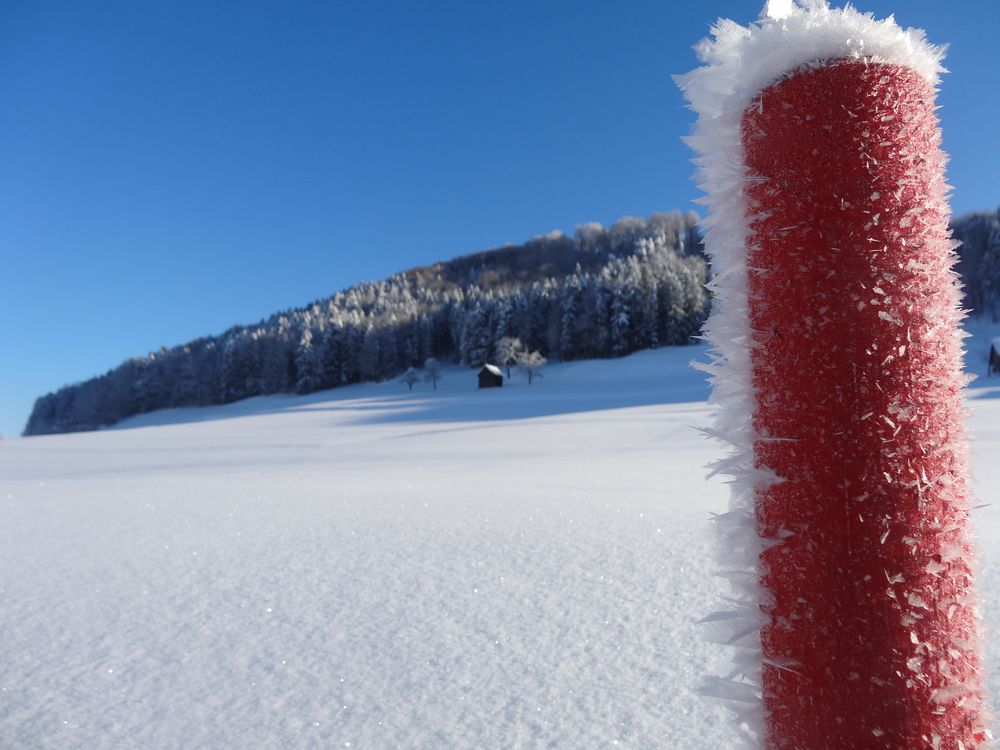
pixel 738 63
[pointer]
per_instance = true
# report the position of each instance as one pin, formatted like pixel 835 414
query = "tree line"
pixel 602 292
pixel 979 261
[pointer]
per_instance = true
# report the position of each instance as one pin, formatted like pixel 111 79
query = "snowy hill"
pixel 372 568
pixel 601 293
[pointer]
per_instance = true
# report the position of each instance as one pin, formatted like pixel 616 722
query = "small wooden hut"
pixel 490 377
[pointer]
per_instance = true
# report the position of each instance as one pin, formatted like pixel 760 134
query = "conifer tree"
pixel 308 366
pixel 989 274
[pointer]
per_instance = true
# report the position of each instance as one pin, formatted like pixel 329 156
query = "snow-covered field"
pixel 372 568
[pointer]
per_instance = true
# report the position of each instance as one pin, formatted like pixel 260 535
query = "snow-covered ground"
pixel 372 568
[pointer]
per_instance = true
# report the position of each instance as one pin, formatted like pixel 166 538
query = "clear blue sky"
pixel 168 169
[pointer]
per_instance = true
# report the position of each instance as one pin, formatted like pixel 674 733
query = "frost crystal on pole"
pixel 837 369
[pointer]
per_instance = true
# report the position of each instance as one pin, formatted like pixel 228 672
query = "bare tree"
pixel 410 377
pixel 432 371
pixel 530 364
pixel 509 349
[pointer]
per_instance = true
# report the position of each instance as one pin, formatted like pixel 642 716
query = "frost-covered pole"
pixel 837 369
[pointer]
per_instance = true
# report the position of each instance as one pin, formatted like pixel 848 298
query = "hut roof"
pixel 494 369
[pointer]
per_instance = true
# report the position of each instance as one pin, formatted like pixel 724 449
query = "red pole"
pixel 870 637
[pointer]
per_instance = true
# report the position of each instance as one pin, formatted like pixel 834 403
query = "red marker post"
pixel 855 475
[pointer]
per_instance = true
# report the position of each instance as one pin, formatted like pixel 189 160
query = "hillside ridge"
pixel 602 292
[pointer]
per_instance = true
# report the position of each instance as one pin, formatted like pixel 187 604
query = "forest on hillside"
pixel 979 261
pixel 603 292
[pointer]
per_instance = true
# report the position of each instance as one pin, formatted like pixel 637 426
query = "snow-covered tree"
pixel 504 318
pixel 571 301
pixel 620 325
pixel 973 231
pixel 188 388
pixel 432 371
pixel 369 357
pixel 530 364
pixel 476 344
pixel 240 363
pixel 151 390
pixel 308 366
pixel 276 357
pixel 410 377
pixel 651 317
pixel 351 340
pixel 989 275
pixel 388 349
pixel 507 352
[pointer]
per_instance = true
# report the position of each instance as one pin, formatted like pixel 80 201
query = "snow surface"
pixel 372 568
